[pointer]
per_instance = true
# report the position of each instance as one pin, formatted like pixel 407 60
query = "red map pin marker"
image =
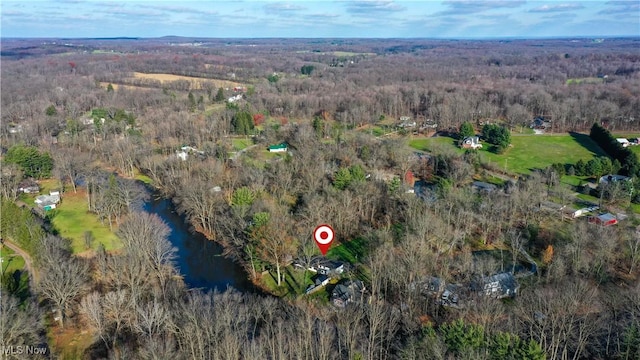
pixel 323 235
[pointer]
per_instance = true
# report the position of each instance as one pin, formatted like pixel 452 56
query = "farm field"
pixel 527 152
pixel 349 53
pixel 196 82
pixel 121 86
pixel 586 80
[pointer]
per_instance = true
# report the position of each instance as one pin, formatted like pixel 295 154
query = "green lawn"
pixel 435 144
pixel 10 260
pixel 353 251
pixel 574 180
pixel 540 151
pixel 377 130
pixel 71 219
pixel 589 198
pixel 239 144
pixel 295 282
pixel 527 152
pixel 16 285
pixel 586 80
pixel 142 177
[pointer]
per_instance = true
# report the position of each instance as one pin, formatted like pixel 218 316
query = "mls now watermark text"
pixel 23 350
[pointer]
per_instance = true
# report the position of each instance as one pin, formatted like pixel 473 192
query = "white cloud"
pixel 557 7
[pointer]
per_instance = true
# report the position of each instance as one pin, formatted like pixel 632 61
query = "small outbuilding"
pixel 282 147
pixel 28 187
pixel 607 219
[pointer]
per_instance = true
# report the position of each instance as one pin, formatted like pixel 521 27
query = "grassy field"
pixel 239 144
pixel 10 262
pixel 105 85
pixel 539 151
pixel 376 130
pixel 295 282
pixel 72 220
pixel 527 152
pixel 441 143
pixel 587 80
pixel 349 53
pixel 574 180
pixel 144 178
pixel 351 251
pixel 196 82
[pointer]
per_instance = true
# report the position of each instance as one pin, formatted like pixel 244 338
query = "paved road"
pixel 28 263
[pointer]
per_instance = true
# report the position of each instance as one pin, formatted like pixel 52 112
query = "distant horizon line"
pixel 342 38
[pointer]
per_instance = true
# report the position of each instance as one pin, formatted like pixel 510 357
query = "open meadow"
pixel 526 153
pixel 197 83
pixel 72 220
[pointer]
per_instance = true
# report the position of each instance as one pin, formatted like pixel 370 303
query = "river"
pixel 200 260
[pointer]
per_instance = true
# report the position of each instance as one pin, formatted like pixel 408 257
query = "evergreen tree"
pixel 580 168
pixel 242 123
pixel 342 179
pixel 192 102
pixel 220 94
pixel 31 161
pixel 51 111
pixel 497 135
pixel 593 168
pixel 307 69
pixel 318 126
pixel 466 130
pixel 357 173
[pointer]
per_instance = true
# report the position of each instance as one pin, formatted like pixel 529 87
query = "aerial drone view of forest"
pixel 160 195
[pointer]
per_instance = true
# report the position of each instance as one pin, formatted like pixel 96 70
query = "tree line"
pixel 629 163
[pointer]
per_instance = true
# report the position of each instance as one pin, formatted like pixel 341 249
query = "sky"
pixel 320 19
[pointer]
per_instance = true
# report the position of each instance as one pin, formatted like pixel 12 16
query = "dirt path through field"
pixel 28 263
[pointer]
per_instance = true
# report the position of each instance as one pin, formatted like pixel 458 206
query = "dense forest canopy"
pixel 446 249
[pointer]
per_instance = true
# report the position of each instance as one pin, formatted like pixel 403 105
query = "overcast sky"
pixel 301 18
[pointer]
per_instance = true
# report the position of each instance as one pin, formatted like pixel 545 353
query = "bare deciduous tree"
pixel 63 279
pixel 20 324
pixel 145 237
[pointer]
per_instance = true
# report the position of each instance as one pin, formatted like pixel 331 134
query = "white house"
pixel 471 142
pixel 613 178
pixel 234 98
pixel 623 142
pixel 182 155
pixel 48 202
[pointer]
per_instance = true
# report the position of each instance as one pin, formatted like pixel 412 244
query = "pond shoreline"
pixel 200 260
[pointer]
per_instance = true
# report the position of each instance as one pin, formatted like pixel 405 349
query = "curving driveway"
pixel 28 263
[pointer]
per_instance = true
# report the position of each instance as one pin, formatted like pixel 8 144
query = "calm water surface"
pixel 199 260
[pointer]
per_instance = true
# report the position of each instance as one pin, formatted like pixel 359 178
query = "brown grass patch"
pixel 120 86
pixel 196 82
pixel 70 342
